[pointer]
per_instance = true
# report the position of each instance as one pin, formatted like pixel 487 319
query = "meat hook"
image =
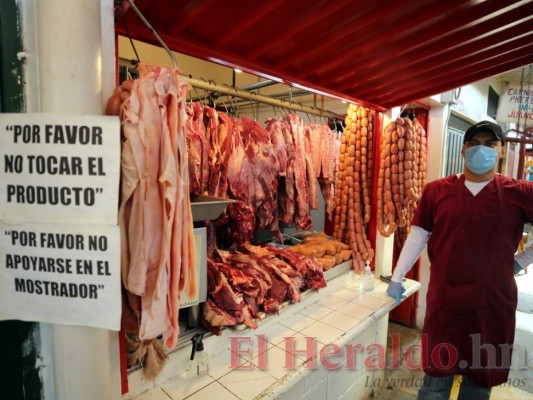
pixel 151 29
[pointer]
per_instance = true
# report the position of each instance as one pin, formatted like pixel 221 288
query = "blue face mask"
pixel 480 159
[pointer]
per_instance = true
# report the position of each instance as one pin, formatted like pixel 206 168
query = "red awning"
pixel 379 53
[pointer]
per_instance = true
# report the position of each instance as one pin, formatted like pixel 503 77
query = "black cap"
pixel 485 126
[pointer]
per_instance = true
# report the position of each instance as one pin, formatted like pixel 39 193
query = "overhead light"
pixel 237 70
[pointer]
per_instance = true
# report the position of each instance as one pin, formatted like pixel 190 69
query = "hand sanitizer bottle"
pixel 367 279
pixel 199 363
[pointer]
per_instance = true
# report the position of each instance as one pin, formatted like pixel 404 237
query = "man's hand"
pixel 395 290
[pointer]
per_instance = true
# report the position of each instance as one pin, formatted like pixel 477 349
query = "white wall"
pixel 472 102
pixel 74 52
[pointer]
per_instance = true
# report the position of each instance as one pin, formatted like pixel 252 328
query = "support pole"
pixel 75 75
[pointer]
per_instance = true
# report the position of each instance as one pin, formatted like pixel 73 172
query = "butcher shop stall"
pixel 228 228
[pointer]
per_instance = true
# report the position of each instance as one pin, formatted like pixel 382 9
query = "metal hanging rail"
pixel 258 98
pixel 231 91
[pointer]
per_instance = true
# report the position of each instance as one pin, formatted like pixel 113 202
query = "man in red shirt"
pixel 472 224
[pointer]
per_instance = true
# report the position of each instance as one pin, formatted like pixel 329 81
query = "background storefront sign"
pixel 516 103
pixel 61 274
pixel 59 168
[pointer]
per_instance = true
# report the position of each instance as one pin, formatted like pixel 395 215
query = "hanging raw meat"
pixel 238 167
pixel 312 163
pixel 330 145
pixel 155 213
pixel 302 217
pixel 281 136
pixel 197 148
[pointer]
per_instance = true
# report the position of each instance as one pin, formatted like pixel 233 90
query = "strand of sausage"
pixel 352 211
pixel 341 192
pixel 401 176
pixel 366 160
pixel 386 210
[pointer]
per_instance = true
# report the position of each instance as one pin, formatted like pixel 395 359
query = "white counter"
pixel 264 364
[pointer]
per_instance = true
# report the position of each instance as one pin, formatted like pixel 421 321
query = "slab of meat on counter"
pixel 266 277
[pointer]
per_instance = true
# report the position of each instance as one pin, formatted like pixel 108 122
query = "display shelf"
pixel 208 207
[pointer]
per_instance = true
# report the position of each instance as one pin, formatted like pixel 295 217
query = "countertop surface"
pixel 267 362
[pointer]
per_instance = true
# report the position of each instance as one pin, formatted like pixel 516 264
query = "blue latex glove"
pixel 517 268
pixel 395 290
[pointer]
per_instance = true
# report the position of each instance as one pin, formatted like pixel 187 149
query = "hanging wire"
pixel 123 20
pixel 235 103
pixel 255 112
pixel 228 110
pixel 197 95
pixel 151 28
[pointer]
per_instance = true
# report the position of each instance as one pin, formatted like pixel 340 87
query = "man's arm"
pixel 414 244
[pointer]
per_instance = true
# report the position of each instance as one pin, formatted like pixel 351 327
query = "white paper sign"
pixel 60 274
pixel 516 103
pixel 59 168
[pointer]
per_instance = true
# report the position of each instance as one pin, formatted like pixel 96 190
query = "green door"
pixel 19 341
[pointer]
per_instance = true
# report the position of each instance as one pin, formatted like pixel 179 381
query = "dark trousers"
pixel 440 388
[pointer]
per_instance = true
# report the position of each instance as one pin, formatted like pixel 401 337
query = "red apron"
pixel 472 296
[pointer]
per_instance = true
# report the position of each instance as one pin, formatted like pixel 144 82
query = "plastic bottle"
pixel 367 280
pixel 199 363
